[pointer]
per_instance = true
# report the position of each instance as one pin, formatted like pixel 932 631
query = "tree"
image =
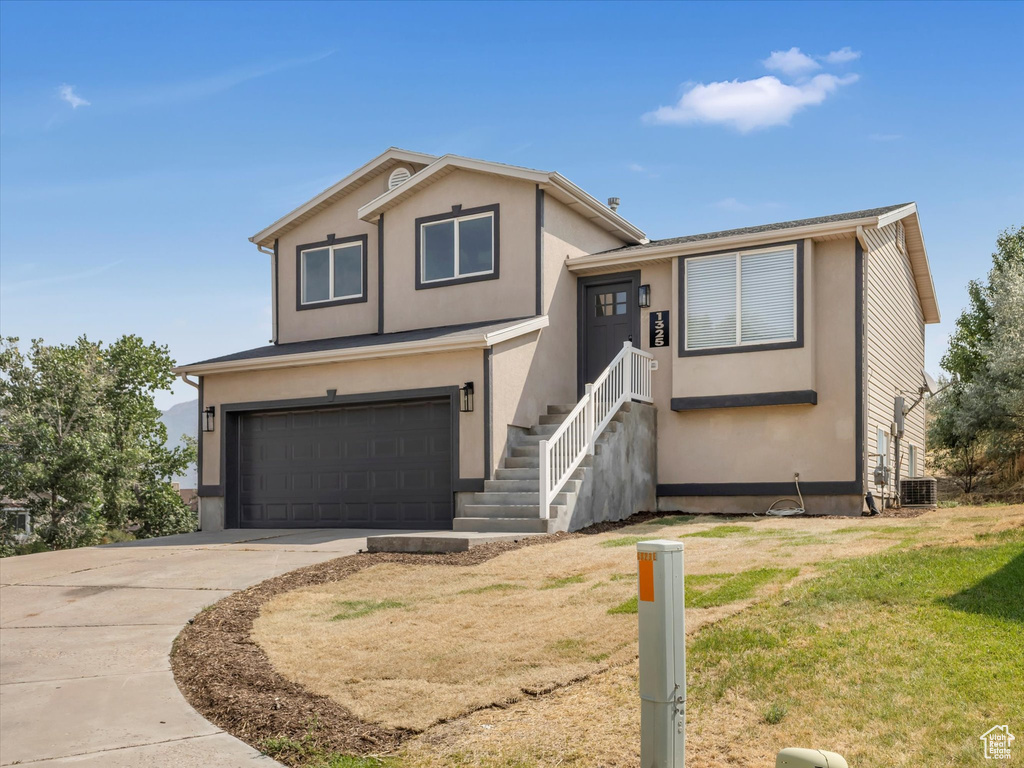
pixel 979 421
pixel 82 442
pixel 53 432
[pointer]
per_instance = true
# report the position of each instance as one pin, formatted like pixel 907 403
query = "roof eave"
pixel 265 236
pixel 601 214
pixel 375 352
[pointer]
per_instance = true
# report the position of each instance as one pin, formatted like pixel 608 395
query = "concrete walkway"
pixel 85 636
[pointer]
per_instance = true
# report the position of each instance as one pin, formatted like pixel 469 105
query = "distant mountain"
pixel 182 419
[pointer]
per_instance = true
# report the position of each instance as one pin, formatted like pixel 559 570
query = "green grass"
pixel 924 648
pixel 625 541
pixel 354 609
pixel 721 532
pixel 308 752
pixel 713 589
pixel 775 713
pixel 564 581
pixel 491 588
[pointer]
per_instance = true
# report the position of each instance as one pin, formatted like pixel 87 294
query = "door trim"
pixel 582 284
pixel 231 412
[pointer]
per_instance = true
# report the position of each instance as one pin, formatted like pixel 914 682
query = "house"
pixel 437 322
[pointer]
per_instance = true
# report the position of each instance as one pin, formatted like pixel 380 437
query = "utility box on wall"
pixel 660 612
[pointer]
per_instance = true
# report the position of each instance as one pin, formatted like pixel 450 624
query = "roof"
pixel 435 169
pixel 367 346
pixel 835 218
pixel 837 224
pixel 382 163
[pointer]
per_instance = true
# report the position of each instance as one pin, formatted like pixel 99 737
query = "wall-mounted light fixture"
pixel 643 296
pixel 208 414
pixel 466 397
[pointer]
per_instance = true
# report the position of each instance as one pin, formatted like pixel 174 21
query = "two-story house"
pixel 467 344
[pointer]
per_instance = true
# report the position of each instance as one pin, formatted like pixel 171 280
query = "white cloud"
pixel 792 62
pixel 843 56
pixel 747 104
pixel 67 93
pixel 637 168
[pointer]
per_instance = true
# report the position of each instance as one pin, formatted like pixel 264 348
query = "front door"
pixel 609 318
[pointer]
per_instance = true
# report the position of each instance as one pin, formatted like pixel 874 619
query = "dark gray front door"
pixel 373 465
pixel 608 313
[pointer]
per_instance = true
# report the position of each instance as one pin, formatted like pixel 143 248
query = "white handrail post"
pixel 588 418
pixel 627 384
pixel 545 479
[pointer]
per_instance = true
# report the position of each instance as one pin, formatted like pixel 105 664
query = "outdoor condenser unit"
pixel 919 492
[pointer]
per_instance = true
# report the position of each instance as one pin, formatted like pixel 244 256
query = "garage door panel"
pixel 380 465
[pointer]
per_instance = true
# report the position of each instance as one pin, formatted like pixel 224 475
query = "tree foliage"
pixel 83 445
pixel 978 422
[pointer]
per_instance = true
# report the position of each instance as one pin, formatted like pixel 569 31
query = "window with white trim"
pixel 739 299
pixel 457 247
pixel 332 273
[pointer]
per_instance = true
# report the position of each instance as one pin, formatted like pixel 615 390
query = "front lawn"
pixel 892 642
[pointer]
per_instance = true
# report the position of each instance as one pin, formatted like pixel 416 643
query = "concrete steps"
pixel 509 502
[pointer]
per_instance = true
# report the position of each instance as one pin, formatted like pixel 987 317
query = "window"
pixel 332 272
pixel 741 299
pixel 457 247
pixel 609 304
pixel 882 447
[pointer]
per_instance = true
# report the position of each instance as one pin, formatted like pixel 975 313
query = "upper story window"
pixel 332 272
pixel 457 247
pixel 742 301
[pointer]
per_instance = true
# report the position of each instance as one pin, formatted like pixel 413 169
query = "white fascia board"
pixel 375 352
pixel 602 211
pixel 900 213
pixel 656 253
pixel 402 155
pixel 372 209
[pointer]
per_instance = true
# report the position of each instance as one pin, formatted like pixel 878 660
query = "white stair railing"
pixel 627 377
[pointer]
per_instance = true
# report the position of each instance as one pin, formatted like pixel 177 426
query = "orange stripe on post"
pixel 646 580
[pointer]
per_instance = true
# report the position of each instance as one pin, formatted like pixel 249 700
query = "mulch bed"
pixel 228 678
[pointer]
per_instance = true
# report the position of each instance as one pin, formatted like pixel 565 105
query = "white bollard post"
pixel 662 654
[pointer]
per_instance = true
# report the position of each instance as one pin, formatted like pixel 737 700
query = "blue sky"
pixel 141 144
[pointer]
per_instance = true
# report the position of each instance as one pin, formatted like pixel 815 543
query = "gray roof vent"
pixel 398 176
pixel 613 203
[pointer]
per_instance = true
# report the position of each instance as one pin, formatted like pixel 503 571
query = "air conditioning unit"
pixel 919 492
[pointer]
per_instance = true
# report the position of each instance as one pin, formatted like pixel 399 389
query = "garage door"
pixel 382 465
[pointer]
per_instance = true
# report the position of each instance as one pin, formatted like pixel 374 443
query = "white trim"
pixel 330 272
pixel 479 340
pixel 456 221
pixel 393 153
pixel 900 213
pixel 548 180
pixel 738 258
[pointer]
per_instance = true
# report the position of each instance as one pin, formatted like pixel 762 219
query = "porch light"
pixel 643 296
pixel 466 397
pixel 208 414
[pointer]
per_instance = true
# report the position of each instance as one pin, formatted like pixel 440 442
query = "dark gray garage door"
pixel 385 465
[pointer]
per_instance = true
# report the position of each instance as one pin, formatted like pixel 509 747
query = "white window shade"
pixel 711 302
pixel 767 297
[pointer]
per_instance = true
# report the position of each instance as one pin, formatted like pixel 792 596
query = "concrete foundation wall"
pixel 211 513
pixel 749 505
pixel 624 477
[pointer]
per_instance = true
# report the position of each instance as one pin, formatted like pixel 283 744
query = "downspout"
pixel 184 377
pixel 273 288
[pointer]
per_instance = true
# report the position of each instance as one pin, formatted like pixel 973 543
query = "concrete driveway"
pixel 85 636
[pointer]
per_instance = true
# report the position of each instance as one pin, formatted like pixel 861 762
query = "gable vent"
pixel 398 176
pixel 901 237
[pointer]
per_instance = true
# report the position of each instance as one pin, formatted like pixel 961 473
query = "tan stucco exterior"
pixel 769 443
pixel 361 377
pixel 517 378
